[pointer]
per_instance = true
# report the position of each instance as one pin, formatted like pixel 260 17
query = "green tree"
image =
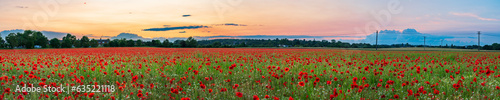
pixel 94 43
pixel 130 43
pixel 40 39
pixel 156 43
pixel 166 43
pixel 138 43
pixel 180 43
pixel 296 42
pixel 85 42
pixel 191 42
pixel 2 43
pixel 12 40
pixel 77 44
pixel 114 43
pixel 55 43
pixel 26 39
pixel 68 41
pixel 122 42
pixel 216 44
pixel 495 46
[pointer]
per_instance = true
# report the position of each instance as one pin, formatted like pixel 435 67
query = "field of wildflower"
pixel 248 73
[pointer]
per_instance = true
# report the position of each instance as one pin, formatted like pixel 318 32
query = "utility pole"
pixel 478 41
pixel 376 41
pixel 424 42
pixel 441 43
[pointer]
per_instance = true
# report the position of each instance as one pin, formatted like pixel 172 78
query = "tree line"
pixel 34 39
pixel 189 42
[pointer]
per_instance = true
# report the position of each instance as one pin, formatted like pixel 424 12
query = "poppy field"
pixel 249 73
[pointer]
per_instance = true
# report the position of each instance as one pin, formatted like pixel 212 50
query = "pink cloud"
pixel 474 16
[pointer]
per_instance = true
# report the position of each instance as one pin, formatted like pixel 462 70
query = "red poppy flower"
pixel 235 86
pixel 202 86
pixel 301 83
pixel 223 90
pixel 436 91
pixel 174 90
pixel 7 90
pixel 91 95
pixel 239 94
pixel 255 97
pixel 139 95
pixel 41 84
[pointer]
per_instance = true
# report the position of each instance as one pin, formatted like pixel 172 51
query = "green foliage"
pixel 94 43
pixel 166 43
pixel 77 44
pixel 40 39
pixel 139 43
pixel 68 41
pixel 2 43
pixel 12 40
pixel 28 39
pixel 85 42
pixel 191 42
pixel 55 43
pixel 155 43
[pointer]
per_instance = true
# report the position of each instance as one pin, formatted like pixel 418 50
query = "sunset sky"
pixel 183 18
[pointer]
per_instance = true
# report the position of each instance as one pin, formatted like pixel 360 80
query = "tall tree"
pixel 68 41
pixel 130 43
pixel 166 43
pixel 94 43
pixel 55 43
pixel 138 43
pixel 26 39
pixel 191 42
pixel 77 44
pixel 156 43
pixel 2 43
pixel 40 39
pixel 12 40
pixel 84 42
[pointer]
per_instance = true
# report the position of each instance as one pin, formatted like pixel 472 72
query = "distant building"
pixel 102 42
pixel 282 45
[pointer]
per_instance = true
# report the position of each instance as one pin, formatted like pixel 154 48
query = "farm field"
pixel 249 73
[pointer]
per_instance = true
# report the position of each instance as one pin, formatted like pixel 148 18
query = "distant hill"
pixel 414 37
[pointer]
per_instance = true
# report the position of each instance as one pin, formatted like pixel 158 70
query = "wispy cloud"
pixel 474 16
pixel 21 6
pixel 230 24
pixel 167 28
